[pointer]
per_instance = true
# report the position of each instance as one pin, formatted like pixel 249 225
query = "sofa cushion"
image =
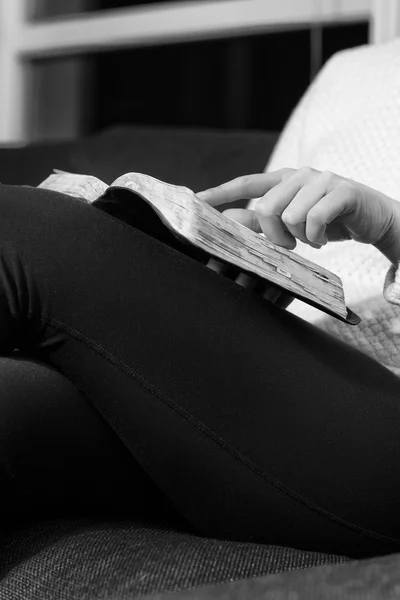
pixel 91 559
pixel 196 158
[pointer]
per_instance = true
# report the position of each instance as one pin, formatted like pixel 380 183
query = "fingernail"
pixel 202 195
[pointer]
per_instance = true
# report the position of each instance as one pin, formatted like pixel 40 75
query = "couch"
pixel 109 555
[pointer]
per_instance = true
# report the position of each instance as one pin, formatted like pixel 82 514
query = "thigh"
pixel 256 425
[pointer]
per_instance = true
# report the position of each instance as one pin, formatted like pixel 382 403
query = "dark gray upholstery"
pixel 196 158
pixel 90 559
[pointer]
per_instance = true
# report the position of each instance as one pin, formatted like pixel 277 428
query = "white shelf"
pixel 22 40
pixel 180 21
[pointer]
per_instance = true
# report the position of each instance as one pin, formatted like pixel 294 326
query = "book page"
pixel 87 187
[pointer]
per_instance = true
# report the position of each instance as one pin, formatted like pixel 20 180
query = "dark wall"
pixel 247 82
pixel 244 82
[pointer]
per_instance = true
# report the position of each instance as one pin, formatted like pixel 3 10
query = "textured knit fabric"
pixel 86 559
pixel 348 122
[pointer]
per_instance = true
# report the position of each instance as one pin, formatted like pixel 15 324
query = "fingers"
pixel 283 210
pixel 302 206
pixel 232 272
pixel 245 187
pixel 252 283
pixel 247 281
pixel 284 300
pixel 215 265
pixel 292 205
pixel 297 201
pixel 245 217
pixel 332 205
pixel 223 268
pixel 271 293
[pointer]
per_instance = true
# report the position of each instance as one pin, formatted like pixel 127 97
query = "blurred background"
pixel 74 67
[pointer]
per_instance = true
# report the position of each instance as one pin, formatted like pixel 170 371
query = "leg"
pixel 57 452
pixel 255 424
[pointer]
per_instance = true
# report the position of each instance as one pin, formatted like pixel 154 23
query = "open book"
pixel 196 223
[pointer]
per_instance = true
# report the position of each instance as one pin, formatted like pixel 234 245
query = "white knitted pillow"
pixel 348 122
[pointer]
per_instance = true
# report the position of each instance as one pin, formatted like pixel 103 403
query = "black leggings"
pixel 150 383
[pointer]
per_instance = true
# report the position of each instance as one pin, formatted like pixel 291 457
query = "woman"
pixel 218 408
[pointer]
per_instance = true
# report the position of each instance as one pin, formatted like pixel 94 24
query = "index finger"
pixel 244 187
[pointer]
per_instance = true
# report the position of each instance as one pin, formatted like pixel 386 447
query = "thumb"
pixel 245 217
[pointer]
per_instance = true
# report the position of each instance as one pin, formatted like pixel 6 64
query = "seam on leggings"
pixel 249 463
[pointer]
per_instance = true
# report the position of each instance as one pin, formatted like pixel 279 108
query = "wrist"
pixel 389 244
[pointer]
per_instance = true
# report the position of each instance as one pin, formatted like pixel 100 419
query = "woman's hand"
pixel 312 206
